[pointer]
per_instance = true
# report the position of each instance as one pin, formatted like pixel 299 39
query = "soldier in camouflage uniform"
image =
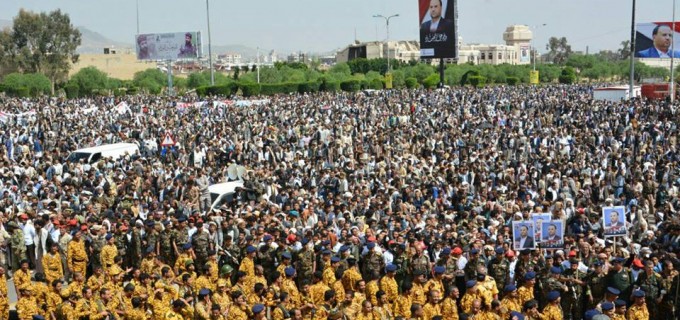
pixel 472 265
pixel 551 283
pixel 18 245
pixel 524 265
pixel 450 267
pixel 305 260
pixel 201 243
pixel 151 236
pixel 401 261
pixel 232 252
pixel 670 282
pixel 420 262
pixel 121 243
pixel 97 242
pixel 499 268
pixel 651 283
pixel 344 255
pixel 180 236
pixel 167 252
pixel 266 256
pixel 136 246
pixel 595 286
pixel 572 300
pixel 372 261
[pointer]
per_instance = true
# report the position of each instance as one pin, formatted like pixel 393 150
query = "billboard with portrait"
pixel 168 46
pixel 538 219
pixel 552 234
pixel 657 40
pixel 523 235
pixel 437 22
pixel 525 53
pixel 614 221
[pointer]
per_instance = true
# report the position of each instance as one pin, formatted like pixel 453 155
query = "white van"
pixel 221 193
pixel 94 154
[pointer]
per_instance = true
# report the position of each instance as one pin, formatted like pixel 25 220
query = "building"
pixel 516 50
pixel 230 58
pixel 400 50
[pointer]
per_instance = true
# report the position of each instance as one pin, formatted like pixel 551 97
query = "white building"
pixel 231 58
pixel 516 50
pixel 400 50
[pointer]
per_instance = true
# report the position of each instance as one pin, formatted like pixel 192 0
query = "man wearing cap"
pixel 266 254
pixel 285 262
pixel 610 296
pixel 120 240
pixel 165 248
pixel 526 291
pixel 202 306
pixel 620 278
pixel 420 262
pixel 499 268
pixel 76 254
pixel 306 261
pixel 108 253
pixel 248 264
pixel 621 309
pixel 552 311
pixel 18 244
pixel 472 264
pixel 638 311
pixel 651 283
pixel 607 308
pixel 510 301
pixel 289 286
pixel 450 304
pixel 572 303
pixel 595 285
pixel 372 260
pixel 471 294
pixel 388 283
pixel 436 282
pixel 201 243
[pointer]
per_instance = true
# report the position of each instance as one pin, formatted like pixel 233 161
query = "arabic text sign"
pixel 168 46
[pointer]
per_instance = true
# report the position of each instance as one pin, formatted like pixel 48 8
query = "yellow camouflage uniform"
pixel 135 314
pixel 402 306
pixel 27 307
pixel 638 312
pixel 248 267
pixel 76 256
pixel 434 284
pixel 525 294
pixel 350 278
pixel 509 305
pixel 21 278
pixel 368 316
pixel 552 312
pixel 418 294
pixel 4 298
pixel 53 267
pixel 83 308
pixel 204 282
pixel 468 299
pixel 237 313
pixel 339 291
pixel 96 282
pixel 148 265
pixel 450 309
pixel 389 285
pixel 290 287
pixel 53 301
pixel 317 291
pixel 107 255
pixel 371 289
pixel 328 276
pixel 180 263
pixel 214 272
pixel 430 310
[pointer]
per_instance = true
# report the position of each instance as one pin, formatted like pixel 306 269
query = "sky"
pixel 328 25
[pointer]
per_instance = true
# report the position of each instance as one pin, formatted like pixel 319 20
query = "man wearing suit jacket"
pixel 437 24
pixel 525 241
pixel 437 33
pixel 661 36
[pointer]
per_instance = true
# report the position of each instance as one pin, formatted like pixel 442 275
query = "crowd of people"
pixel 373 205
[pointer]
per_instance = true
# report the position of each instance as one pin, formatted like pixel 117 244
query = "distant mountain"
pixel 94 42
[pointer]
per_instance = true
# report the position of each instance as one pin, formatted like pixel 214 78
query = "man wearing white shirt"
pixel 29 234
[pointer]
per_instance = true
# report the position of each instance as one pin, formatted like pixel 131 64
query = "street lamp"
pixel 212 71
pixel 532 43
pixel 387 26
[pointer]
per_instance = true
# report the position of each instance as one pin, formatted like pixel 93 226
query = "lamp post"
pixel 387 26
pixel 532 43
pixel 137 17
pixel 212 70
pixel 672 84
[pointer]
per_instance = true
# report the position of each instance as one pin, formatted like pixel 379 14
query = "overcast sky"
pixel 325 25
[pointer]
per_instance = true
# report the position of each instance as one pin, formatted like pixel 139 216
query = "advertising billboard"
pixel 437 21
pixel 655 40
pixel 168 46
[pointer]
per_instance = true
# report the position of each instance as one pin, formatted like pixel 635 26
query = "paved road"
pixel 11 293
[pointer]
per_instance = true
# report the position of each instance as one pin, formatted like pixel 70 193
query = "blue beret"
pixel 619 260
pixel 325 242
pixel 530 275
pixel 510 288
pixel 619 303
pixel 286 255
pixel 38 317
pixel 470 283
pixel 553 295
pixel 500 250
pixel 250 249
pixel 638 293
pixel 149 249
pixel 290 271
pixel 590 314
pixel 344 248
pixel 391 268
pixel 556 270
pixel 267 237
pixel 370 245
pixel 335 259
pixel 186 246
pixel 150 223
pixel 204 292
pixel 293 213
pixel 258 308
pixel 108 236
pixel 613 291
pixel 446 251
pixel 607 306
pixel 326 252
pixel 439 269
pixel 305 241
pixel 182 219
pixel 598 264
pixel 166 222
pixel 474 251
pixel 517 315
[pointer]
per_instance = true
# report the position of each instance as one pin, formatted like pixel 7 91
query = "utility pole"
pixel 387 26
pixel 212 70
pixel 631 89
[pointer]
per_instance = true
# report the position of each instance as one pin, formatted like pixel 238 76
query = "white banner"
pixel 168 46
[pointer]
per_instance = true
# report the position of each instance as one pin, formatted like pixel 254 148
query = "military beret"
pixel 325 242
pixel 204 292
pixel 530 275
pixel 391 267
pixel 286 255
pixel 618 260
pixel 326 252
pixel 250 249
pixel 619 303
pixel 149 249
pixel 598 264
pixel 638 293
pixel 166 222
pixel 108 236
pixel 553 295
pixel 607 306
pixel 590 314
pixel 186 246
pixel 556 270
pixel 344 248
pixel 150 223
pixel 470 283
pixel 370 245
pixel 290 271
pixel 439 269
pixel 474 251
pixel 38 317
pixel 500 250
pixel 446 251
pixel 182 219
pixel 516 315
pixel 266 237
pixel 510 288
pixel 305 241
pixel 614 291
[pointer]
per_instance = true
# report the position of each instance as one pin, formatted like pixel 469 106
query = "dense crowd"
pixel 371 205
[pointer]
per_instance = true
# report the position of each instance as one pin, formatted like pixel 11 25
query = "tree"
pixel 89 80
pixel 41 43
pixel 152 80
pixel 30 84
pixel 559 50
pixel 624 52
